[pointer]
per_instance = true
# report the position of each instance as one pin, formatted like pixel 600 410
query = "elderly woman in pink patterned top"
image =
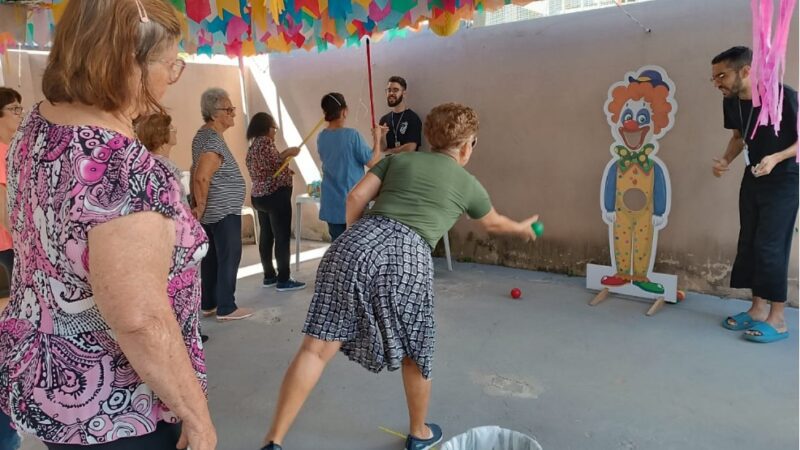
pixel 100 346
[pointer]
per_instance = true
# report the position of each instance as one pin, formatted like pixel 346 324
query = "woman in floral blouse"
pixel 271 196
pixel 100 345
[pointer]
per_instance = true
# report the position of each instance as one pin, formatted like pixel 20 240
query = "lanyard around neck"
pixel 395 126
pixel 741 119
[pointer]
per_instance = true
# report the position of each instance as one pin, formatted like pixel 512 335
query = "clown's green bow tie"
pixel 629 158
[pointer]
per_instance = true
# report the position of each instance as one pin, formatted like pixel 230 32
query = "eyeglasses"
pixel 474 141
pixel 393 90
pixel 16 110
pixel 176 69
pixel 721 76
pixel 172 129
pixel 230 110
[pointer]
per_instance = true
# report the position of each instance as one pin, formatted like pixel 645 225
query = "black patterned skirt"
pixel 374 292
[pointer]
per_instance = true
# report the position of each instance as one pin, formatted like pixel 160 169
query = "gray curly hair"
pixel 210 101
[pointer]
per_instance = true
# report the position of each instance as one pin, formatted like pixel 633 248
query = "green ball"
pixel 538 228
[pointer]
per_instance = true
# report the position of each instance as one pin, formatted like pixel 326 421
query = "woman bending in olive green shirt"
pixel 373 298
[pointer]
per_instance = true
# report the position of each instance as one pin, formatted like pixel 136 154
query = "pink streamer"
pixel 769 60
pixel 237 28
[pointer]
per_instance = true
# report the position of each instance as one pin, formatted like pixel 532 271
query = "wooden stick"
pixel 371 95
pixel 656 306
pixel 305 139
pixel 602 295
pixel 314 131
pixel 392 432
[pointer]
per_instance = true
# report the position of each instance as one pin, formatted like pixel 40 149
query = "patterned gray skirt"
pixel 374 292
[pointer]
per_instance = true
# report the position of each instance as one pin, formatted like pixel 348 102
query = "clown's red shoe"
pixel 613 280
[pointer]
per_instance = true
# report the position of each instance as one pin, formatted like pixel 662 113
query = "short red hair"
pixel 656 96
pixel 153 130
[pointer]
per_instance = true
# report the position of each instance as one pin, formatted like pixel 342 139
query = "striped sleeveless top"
pixel 227 189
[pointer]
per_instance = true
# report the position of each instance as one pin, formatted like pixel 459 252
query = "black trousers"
pixel 165 437
pixel 767 214
pixel 275 216
pixel 221 264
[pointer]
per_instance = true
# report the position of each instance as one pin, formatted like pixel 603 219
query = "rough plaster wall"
pixel 539 87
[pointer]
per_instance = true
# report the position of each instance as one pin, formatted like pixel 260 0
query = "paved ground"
pixel 548 365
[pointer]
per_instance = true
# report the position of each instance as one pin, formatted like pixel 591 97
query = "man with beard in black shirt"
pixel 768 197
pixel 404 127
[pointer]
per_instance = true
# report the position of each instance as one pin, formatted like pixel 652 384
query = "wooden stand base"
pixel 603 295
pixel 656 306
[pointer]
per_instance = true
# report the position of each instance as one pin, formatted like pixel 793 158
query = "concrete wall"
pixel 539 87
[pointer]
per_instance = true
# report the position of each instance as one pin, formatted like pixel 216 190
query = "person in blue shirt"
pixel 343 153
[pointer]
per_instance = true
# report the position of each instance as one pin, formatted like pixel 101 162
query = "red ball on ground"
pixel 516 293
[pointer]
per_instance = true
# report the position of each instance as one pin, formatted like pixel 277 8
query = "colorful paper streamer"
pixel 244 27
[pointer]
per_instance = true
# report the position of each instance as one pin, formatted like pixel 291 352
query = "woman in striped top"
pixel 218 195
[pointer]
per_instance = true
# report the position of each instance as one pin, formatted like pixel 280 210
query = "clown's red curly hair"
pixel 656 96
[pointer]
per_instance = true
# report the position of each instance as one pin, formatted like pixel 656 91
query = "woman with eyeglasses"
pixel 100 345
pixel 10 118
pixel 373 298
pixel 218 191
pixel 271 196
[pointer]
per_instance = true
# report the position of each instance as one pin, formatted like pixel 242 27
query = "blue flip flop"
pixel 743 322
pixel 768 333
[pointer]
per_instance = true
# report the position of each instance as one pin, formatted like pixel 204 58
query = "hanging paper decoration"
pixel 769 59
pixel 248 27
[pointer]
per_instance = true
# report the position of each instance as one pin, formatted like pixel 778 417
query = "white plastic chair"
pixel 248 211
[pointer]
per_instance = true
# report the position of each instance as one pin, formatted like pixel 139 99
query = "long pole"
pixel 371 94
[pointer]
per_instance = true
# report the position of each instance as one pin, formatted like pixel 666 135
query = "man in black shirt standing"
pixel 768 198
pixel 404 127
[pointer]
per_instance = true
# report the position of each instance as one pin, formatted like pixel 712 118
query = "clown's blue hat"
pixel 649 76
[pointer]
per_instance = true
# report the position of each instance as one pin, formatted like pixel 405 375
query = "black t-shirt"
pixel 765 141
pixel 404 127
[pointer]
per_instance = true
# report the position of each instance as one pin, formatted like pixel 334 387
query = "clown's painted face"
pixel 635 123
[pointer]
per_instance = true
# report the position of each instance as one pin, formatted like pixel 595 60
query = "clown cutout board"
pixel 635 192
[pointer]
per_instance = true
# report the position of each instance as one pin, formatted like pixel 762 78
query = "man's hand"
pixel 766 165
pixel 720 167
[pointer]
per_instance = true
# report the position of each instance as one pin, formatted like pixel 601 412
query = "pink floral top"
pixel 63 376
pixel 263 160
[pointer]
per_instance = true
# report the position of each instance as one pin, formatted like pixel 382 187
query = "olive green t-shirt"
pixel 427 192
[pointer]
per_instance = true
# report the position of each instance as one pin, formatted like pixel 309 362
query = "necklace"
pixel 746 128
pixel 396 126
